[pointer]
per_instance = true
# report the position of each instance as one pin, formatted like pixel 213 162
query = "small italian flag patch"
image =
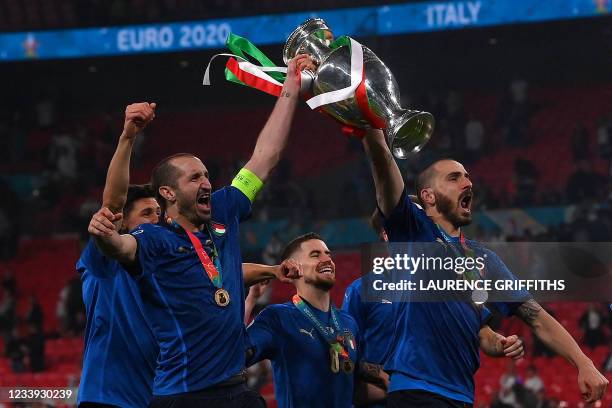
pixel 218 229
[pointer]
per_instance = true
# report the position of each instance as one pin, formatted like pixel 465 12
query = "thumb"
pixel 153 105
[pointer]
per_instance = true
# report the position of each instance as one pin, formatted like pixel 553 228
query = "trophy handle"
pixel 410 133
pixel 307 78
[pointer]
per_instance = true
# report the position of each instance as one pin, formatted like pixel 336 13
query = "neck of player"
pixel 446 225
pixel 318 298
pixel 185 223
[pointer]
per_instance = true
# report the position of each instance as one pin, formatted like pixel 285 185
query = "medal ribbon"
pixel 472 274
pixel 336 342
pixel 209 266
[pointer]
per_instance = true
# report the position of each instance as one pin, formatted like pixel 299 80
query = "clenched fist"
pixel 137 117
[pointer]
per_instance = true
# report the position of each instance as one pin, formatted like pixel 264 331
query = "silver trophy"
pixel 406 130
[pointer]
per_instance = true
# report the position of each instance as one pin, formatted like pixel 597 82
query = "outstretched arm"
pixel 273 137
pixel 387 177
pixel 286 272
pixel 495 345
pixel 591 382
pixel 137 117
pixel 121 247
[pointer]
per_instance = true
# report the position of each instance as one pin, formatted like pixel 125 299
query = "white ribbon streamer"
pixel 260 72
pixel 344 93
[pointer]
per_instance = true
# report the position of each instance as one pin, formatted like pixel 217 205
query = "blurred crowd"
pixel 73 157
pixel 22 335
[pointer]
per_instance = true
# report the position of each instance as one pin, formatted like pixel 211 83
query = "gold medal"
pixel 335 361
pixel 348 366
pixel 222 297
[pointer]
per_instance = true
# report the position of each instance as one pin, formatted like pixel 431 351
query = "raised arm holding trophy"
pixel 351 84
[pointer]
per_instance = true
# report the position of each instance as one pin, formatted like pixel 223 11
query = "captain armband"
pixel 247 182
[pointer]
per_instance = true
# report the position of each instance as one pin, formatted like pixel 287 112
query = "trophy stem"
pixel 410 133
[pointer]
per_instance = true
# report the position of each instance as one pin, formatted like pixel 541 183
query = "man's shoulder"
pixel 95 264
pixel 354 285
pixel 483 250
pixel 280 308
pixel 154 232
pixel 347 318
pixel 276 313
pixel 224 193
pixel 149 229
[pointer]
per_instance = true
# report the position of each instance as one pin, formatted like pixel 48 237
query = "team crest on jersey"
pixel 217 228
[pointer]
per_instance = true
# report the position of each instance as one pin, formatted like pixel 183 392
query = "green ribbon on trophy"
pixel 243 47
pixel 267 77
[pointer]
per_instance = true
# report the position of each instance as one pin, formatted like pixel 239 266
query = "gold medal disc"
pixel 348 366
pixel 222 297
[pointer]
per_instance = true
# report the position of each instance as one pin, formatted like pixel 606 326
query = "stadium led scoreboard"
pixel 271 29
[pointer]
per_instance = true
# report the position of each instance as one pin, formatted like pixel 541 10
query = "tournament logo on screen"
pixel 30 46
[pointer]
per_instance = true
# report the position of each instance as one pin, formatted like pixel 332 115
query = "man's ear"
pixel 168 194
pixel 428 197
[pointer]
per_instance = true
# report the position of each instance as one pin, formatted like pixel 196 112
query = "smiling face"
pixel 191 193
pixel 318 267
pixel 143 211
pixel 449 190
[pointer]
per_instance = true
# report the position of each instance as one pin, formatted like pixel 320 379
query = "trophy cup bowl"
pixel 407 131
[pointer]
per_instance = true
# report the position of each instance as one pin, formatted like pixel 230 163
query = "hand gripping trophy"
pixel 355 87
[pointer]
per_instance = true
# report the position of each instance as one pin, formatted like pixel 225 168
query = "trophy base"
pixel 410 133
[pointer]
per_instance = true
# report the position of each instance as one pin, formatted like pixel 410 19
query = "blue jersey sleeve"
pixel 485 316
pixel 263 337
pixel 353 305
pixel 150 247
pixel 229 202
pixel 94 262
pixel 406 220
pixel 496 269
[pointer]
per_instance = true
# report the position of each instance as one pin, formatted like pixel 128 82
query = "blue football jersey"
pixel 300 357
pixel 120 350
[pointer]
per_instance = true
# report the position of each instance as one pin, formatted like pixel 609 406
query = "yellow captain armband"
pixel 247 182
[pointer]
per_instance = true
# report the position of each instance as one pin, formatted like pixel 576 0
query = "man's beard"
pixel 448 208
pixel 324 285
pixel 189 210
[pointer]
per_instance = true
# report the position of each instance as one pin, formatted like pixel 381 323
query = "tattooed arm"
pixel 371 384
pixel 591 382
pixel 373 374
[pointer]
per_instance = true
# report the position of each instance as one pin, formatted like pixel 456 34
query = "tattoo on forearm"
pixel 529 311
pixel 285 93
pixel 370 372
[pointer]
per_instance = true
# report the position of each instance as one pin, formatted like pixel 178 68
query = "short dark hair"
pixel 424 178
pixel 295 243
pixel 136 192
pixel 166 174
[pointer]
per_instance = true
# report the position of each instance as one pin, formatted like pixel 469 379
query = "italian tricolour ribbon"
pixel 268 78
